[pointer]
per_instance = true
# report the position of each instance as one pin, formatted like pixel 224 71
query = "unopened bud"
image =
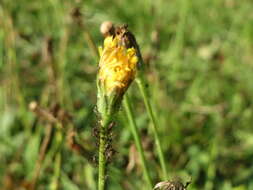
pixel 107 28
pixel 33 106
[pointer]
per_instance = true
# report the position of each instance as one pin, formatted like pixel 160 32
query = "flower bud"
pixel 117 69
pixel 107 28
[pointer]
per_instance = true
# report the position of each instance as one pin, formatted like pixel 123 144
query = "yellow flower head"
pixel 117 69
pixel 117 65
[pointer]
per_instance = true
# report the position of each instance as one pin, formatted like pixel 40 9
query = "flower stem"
pixel 142 86
pixel 133 128
pixel 102 143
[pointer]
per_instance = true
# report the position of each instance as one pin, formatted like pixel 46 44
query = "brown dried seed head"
pixel 170 185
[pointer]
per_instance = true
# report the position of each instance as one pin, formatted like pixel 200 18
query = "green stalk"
pixel 59 139
pixel 133 128
pixel 57 173
pixel 102 143
pixel 142 86
pixel 105 120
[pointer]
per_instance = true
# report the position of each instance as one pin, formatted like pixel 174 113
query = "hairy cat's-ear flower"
pixel 117 69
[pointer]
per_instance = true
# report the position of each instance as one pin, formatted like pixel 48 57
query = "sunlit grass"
pixel 199 72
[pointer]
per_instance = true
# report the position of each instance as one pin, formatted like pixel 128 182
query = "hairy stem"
pixel 137 139
pixel 102 144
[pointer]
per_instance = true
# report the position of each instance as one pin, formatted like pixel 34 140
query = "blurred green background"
pixel 200 73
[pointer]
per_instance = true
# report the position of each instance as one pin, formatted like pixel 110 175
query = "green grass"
pixel 199 68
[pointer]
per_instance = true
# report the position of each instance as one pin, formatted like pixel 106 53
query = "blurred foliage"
pixel 199 68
